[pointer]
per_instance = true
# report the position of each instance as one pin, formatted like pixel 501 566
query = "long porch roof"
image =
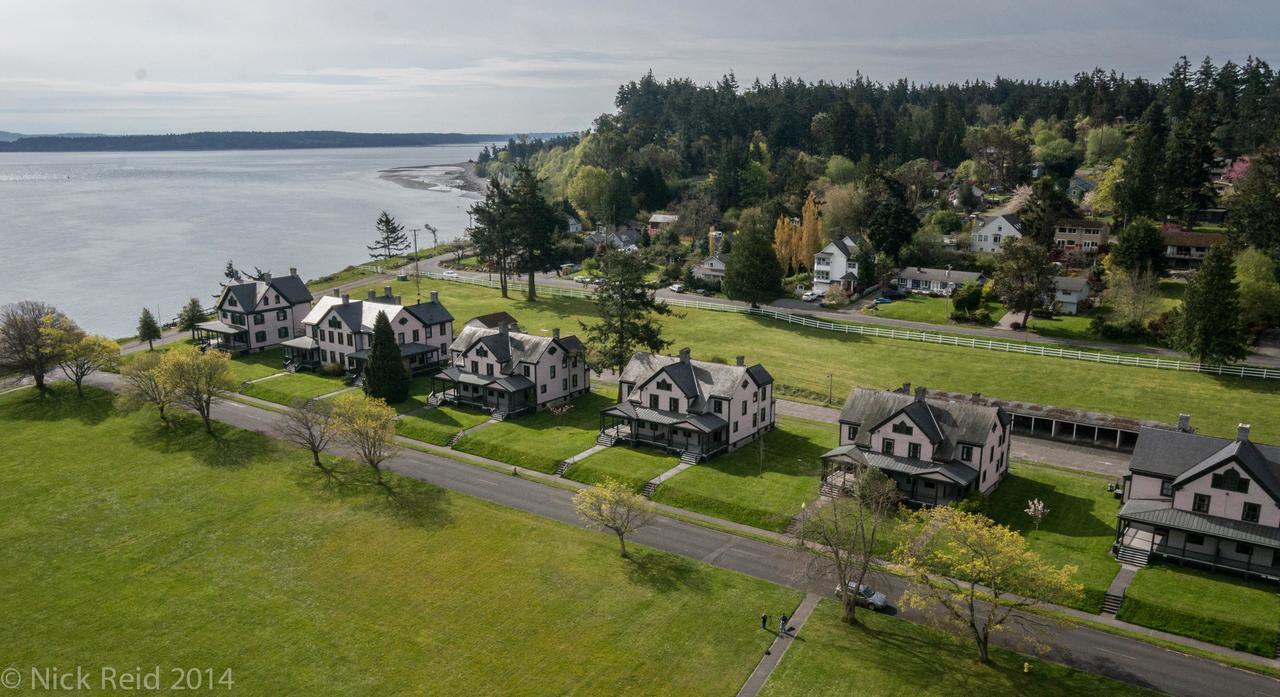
pixel 406 351
pixel 220 327
pixel 304 343
pixel 506 383
pixel 1163 514
pixel 706 423
pixel 953 472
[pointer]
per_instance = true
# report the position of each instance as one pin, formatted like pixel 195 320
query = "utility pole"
pixel 829 386
pixel 417 277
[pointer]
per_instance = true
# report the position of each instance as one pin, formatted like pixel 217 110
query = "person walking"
pixel 782 624
pixel 764 621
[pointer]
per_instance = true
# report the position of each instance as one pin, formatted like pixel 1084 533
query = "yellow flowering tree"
pixel 612 505
pixel 368 426
pixel 195 379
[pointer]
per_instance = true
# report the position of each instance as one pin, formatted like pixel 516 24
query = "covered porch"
pixel 219 335
pixel 700 435
pixel 301 353
pixel 919 483
pixel 1155 528
pixel 505 394
pixel 418 358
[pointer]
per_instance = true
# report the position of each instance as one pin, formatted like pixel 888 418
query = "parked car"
pixel 812 296
pixel 867 597
pixel 676 287
pixel 450 274
pixel 707 293
pixel 598 280
pixel 884 300
pixel 582 278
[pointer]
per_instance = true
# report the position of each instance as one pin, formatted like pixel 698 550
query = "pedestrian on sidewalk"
pixel 782 624
pixel 764 621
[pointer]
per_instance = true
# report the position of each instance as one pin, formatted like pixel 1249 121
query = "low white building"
pixel 836 264
pixel 1070 294
pixel 712 268
pixel 916 279
pixel 989 232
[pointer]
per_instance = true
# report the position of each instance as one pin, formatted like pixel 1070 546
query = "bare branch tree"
pixel 310 424
pixel 143 386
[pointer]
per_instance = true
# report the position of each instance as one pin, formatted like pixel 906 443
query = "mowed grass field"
pixel 541 440
pixel 922 308
pixel 801 359
pixel 1218 608
pixel 126 543
pixel 889 657
pixel 765 492
pixel 286 389
pixel 1078 529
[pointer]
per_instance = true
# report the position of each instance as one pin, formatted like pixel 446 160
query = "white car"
pixel 676 287
pixel 812 296
pixel 867 597
pixel 450 274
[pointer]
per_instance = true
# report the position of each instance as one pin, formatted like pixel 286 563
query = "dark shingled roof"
pixel 292 289
pixel 1184 456
pixel 700 380
pixel 946 423
pixel 1161 513
pixel 493 320
pixel 429 312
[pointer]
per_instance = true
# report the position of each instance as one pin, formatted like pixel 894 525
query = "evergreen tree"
pixel 535 223
pixel 1024 276
pixel 1210 329
pixel 192 314
pixel 230 272
pixel 493 233
pixel 384 372
pixel 753 273
pixel 1048 204
pixel 1135 194
pixel 1255 207
pixel 391 240
pixel 892 223
pixel 627 314
pixel 1188 158
pixel 1137 247
pixel 148 328
pixel 867 271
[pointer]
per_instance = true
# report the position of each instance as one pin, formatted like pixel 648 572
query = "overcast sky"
pixel 137 66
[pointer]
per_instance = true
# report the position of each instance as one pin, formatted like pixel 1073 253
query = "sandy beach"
pixel 460 176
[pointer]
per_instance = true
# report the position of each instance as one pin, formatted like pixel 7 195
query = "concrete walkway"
pixel 1120 584
pixel 335 393
pixel 773 656
pixel 268 377
pixel 584 454
pixel 671 473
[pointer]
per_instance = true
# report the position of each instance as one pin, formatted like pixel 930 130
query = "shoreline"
pixel 460 176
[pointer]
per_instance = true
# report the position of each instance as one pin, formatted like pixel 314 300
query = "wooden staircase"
pixel 689 458
pixel 435 399
pixel 453 440
pixel 562 468
pixel 606 440
pixel 1133 557
pixel 648 489
pixel 1111 604
pixel 498 415
pixel 830 490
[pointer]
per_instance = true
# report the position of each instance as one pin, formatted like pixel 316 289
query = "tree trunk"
pixel 39 382
pixel 1026 317
pixel 502 278
pixel 208 425
pixel 850 607
pixel 315 458
pixel 984 650
pixel 163 417
pixel 533 290
pixel 151 344
pixel 79 387
pixel 622 542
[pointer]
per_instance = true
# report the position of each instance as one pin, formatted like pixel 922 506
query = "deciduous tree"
pixel 1259 291
pixel 144 385
pixel 612 505
pixel 976 573
pixel 24 348
pixel 80 355
pixel 311 425
pixel 196 379
pixel 1139 248
pixel 368 426
pixel 1024 276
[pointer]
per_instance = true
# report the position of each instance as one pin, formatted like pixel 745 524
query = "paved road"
pixel 1094 651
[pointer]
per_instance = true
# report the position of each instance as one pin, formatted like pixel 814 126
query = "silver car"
pixel 867 596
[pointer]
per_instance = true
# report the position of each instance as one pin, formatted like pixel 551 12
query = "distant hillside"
pixel 239 140
pixel 10 136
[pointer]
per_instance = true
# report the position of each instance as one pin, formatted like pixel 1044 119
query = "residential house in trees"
pixel 917 279
pixel 695 408
pixel 1212 502
pixel 989 232
pixel 339 332
pixel 506 372
pixel 837 265
pixel 1080 235
pixel 1186 249
pixel 660 221
pixel 935 450
pixel 255 315
pixel 1070 295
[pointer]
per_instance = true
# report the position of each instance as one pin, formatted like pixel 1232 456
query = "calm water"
pixel 100 235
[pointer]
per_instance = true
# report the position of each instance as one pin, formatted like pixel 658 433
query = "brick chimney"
pixel 335 292
pixel 684 355
pixel 555 333
pixel 293 271
pixel 920 393
pixel 386 291
pixel 346 299
pixel 1184 423
pixel 435 296
pixel 1242 432
pixel 741 361
pixel 373 294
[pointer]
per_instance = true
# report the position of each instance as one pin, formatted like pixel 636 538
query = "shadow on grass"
pixel 408 501
pixel 58 402
pixel 1016 490
pixel 665 573
pixel 227 447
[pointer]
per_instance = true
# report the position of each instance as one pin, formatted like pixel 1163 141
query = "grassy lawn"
pixel 1077 326
pixel 167 547
pixel 736 486
pixel 258 365
pixel 438 425
pixel 288 388
pixel 1078 529
pixel 889 657
pixel 419 388
pixel 922 308
pixel 1218 608
pixel 541 440
pixel 634 466
pixel 791 353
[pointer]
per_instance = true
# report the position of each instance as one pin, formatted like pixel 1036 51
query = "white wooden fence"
pixel 917 335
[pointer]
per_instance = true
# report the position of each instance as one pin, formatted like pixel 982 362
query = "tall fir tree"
pixel 1135 195
pixel 1048 204
pixel 191 315
pixel 1137 247
pixel 384 372
pixel 892 223
pixel 753 273
pixel 1210 329
pixel 628 315
pixel 148 329
pixel 536 224
pixel 494 233
pixel 391 240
